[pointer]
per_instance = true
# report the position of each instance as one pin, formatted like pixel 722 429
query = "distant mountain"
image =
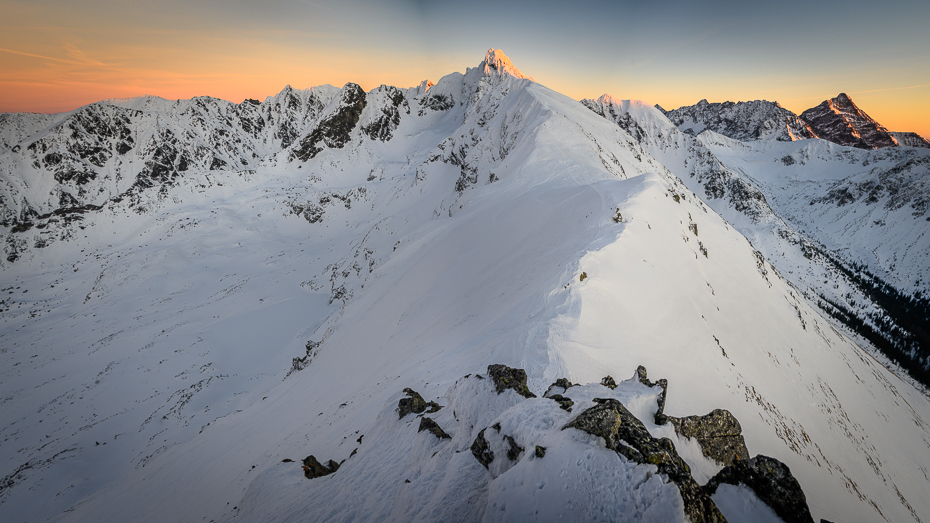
pixel 841 121
pixel 838 120
pixel 911 140
pixel 756 120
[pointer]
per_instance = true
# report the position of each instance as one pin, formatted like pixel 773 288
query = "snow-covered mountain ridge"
pixel 838 120
pixel 165 349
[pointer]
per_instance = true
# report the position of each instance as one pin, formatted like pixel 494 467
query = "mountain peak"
pixel 497 63
pixel 841 121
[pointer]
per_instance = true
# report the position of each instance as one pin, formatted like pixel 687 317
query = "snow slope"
pixel 501 222
pixel 842 224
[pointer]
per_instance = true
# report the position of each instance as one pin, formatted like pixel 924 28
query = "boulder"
pixel 430 425
pixel 481 449
pixel 718 433
pixel 515 450
pixel 772 482
pixel 315 469
pixel 505 377
pixel 412 403
pixel 559 383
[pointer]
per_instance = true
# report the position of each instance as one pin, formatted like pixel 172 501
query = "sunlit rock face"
pixel 841 121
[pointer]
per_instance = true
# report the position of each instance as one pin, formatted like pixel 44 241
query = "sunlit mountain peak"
pixel 496 62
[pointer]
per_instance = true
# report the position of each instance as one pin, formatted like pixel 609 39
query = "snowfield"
pixel 163 355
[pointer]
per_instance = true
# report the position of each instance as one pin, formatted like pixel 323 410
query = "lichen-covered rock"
pixel 564 403
pixel 718 433
pixel 505 377
pixel 481 449
pixel 641 376
pixel 430 425
pixel 627 435
pixel 412 403
pixel 772 482
pixel 314 469
pixel 609 382
pixel 433 407
pixel 540 451
pixel 562 383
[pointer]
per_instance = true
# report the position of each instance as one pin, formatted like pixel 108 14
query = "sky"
pixel 57 55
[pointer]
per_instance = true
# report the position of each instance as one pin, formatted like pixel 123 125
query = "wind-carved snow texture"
pixel 166 346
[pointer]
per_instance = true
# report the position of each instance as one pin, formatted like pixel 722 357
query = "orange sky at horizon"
pixel 75 57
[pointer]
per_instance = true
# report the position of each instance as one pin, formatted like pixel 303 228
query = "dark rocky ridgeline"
pixel 772 482
pixel 744 121
pixel 840 121
pixel 718 433
pixel 626 435
pixel 334 130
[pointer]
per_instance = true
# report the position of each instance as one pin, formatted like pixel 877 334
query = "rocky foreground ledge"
pixel 579 451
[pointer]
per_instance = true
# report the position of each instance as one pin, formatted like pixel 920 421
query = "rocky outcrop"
pixel 626 435
pixel 334 130
pixel 772 482
pixel 392 103
pixel 840 121
pixel 481 449
pixel 642 377
pixel 718 433
pixel 315 469
pixel 413 403
pixel 564 403
pixel 520 432
pixel 428 424
pixel 561 383
pixel 505 377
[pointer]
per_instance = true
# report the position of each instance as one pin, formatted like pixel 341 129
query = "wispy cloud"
pixel 77 56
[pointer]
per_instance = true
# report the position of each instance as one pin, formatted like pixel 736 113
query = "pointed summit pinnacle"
pixel 497 63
